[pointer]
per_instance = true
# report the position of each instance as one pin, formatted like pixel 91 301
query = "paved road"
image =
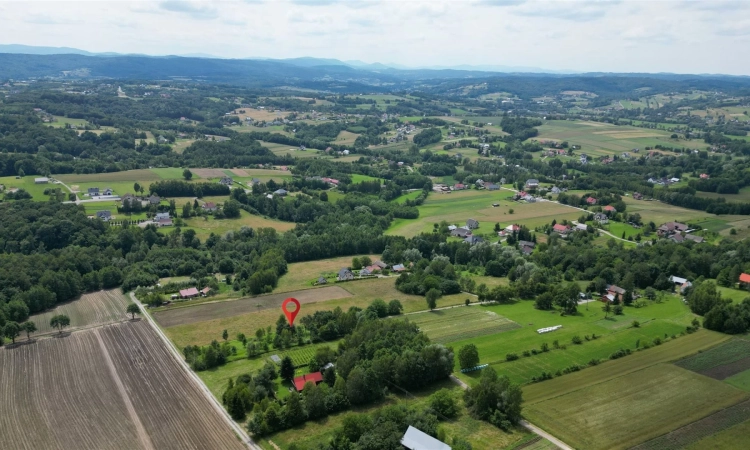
pixel 181 361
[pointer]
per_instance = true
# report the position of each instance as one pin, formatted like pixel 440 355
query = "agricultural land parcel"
pixel 616 402
pixel 96 308
pixel 135 395
pixel 600 139
pixel 458 207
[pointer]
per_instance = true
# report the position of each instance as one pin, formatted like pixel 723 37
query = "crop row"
pixel 693 432
pixel 726 353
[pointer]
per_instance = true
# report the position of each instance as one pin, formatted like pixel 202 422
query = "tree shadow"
pixel 63 334
pixel 19 344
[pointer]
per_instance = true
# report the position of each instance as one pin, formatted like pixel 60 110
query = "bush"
pixel 443 403
pixel 577 340
pixel 594 362
pixel 526 353
pixel 657 341
pixel 620 353
pixel 636 324
pixel 511 357
pixel 545 347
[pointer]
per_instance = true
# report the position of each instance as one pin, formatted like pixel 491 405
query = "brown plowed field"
pixel 115 387
pixel 96 308
pixel 210 311
pixel 727 370
pixel 239 172
pixel 209 173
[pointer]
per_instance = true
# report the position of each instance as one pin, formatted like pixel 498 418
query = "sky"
pixel 678 36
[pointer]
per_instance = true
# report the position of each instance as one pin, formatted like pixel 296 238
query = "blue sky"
pixel 685 36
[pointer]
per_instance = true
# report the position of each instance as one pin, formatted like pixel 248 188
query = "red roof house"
pixel 189 293
pixel 315 378
pixel 744 278
pixel 591 201
pixel 561 228
pixel 609 208
pixel 705 176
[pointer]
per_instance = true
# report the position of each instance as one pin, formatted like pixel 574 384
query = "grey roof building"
pixel 416 440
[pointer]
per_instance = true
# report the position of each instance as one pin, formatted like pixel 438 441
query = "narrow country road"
pixel 529 426
pixel 203 388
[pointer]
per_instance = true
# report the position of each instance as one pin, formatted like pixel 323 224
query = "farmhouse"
pixel 104 215
pixel 472 224
pixel 610 208
pixel 280 192
pixel 683 283
pixel 93 191
pixel 614 293
pixel 322 280
pixel 164 222
pixel 209 206
pixel 345 274
pixel 671 228
pixel 532 183
pixel 493 187
pixel 41 180
pixel 161 215
pixel 637 196
pixel 315 378
pixel 581 227
pixel 459 187
pixel 380 264
pixel 560 228
pixel 364 272
pixel 591 201
pixel 601 218
pixel 416 440
pixel 705 176
pixel 154 200
pixel 399 268
pixel 472 240
pixel 226 181
pixel 189 293
pixel 461 232
pixel 695 238
pixel 744 279
pixel 373 268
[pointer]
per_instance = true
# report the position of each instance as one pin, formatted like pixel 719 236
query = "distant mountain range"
pixel 301 62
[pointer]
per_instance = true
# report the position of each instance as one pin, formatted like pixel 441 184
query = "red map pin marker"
pixel 290 315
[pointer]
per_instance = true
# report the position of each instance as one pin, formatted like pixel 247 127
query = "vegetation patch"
pixel 720 362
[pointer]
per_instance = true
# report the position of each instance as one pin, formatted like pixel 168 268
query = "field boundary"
pixel 725 418
pixel 244 437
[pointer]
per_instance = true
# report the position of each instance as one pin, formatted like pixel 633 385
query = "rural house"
pixel 41 180
pixel 560 228
pixel 345 275
pixel 226 181
pixel 364 272
pixel 461 232
pixel 209 206
pixel 591 201
pixel 532 183
pixel 322 280
pixel 154 200
pixel 380 264
pixel 399 268
pixel 680 282
pixel 189 293
pixel 671 228
pixel 695 238
pixel 493 187
pixel 280 192
pixel 93 191
pixel 637 196
pixel 472 224
pixel 416 440
pixel 161 215
pixel 104 215
pixel 609 208
pixel 301 381
pixel 472 240
pixel 744 280
pixel 601 218
pixel 614 293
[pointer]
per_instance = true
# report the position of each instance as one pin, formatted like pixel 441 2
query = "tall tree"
pixel 133 309
pixel 187 174
pixel 11 330
pixel 29 327
pixel 287 368
pixel 59 321
pixel 468 356
pixel 431 297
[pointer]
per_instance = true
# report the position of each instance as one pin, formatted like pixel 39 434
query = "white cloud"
pixel 581 35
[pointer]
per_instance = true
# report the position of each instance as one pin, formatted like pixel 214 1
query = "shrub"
pixel 526 353
pixel 545 347
pixel 555 344
pixel 511 357
pixel 636 324
pixel 577 340
pixel 620 353
pixel 657 341
pixel 594 362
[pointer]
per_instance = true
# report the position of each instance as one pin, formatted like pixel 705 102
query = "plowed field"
pixel 115 387
pixel 97 308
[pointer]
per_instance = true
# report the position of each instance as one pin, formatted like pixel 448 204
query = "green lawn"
pixel 408 196
pixel 27 183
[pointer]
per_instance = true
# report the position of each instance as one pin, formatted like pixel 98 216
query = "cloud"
pixel 734 29
pixel 46 19
pixel 714 5
pixel 196 10
pixel 502 2
pixel 644 35
pixel 578 11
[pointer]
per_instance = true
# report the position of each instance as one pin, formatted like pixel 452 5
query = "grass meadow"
pixel 600 139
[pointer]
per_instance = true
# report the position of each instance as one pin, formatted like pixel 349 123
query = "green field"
pixel 457 207
pixel 600 139
pixel 409 196
pixel 669 317
pixel 27 183
pixel 460 323
pixel 734 437
pixel 633 408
